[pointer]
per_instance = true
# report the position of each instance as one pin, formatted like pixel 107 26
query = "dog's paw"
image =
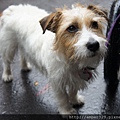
pixel 27 67
pixel 80 99
pixel 7 78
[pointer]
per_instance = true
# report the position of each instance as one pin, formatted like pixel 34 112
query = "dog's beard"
pixel 89 60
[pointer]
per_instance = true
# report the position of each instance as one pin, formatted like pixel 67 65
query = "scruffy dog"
pixel 66 46
pixel 112 59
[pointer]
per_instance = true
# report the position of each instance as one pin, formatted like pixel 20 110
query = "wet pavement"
pixel 30 93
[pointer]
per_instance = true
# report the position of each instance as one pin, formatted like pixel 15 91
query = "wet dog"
pixel 112 59
pixel 66 46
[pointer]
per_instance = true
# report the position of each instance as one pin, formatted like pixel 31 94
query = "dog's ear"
pixel 98 10
pixel 50 22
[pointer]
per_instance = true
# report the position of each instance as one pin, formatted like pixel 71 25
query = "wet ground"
pixel 30 93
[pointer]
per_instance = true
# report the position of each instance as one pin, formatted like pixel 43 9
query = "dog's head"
pixel 80 33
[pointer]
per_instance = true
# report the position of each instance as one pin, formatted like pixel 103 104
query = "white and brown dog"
pixel 67 47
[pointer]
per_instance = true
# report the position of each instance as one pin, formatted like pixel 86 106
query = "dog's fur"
pixel 112 59
pixel 62 52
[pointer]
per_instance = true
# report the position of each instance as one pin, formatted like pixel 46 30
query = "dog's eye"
pixel 94 25
pixel 72 29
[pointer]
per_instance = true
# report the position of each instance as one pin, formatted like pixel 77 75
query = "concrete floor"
pixel 24 96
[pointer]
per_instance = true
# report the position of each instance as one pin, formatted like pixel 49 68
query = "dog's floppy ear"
pixel 50 22
pixel 98 10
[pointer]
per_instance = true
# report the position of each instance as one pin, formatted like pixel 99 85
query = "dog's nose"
pixel 93 45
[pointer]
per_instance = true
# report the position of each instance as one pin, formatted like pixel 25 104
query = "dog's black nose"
pixel 93 45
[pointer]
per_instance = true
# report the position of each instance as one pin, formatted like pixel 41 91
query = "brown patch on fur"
pixel 51 22
pixel 99 11
pixel 88 23
pixel 64 43
pixel 0 14
pixel 99 31
pixel 64 40
pixel 46 21
pixel 88 20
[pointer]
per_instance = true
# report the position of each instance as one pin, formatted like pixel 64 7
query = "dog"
pixel 66 46
pixel 112 59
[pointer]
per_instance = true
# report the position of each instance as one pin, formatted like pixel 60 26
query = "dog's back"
pixel 20 28
pixel 21 18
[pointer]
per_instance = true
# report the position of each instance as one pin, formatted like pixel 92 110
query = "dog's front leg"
pixel 64 106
